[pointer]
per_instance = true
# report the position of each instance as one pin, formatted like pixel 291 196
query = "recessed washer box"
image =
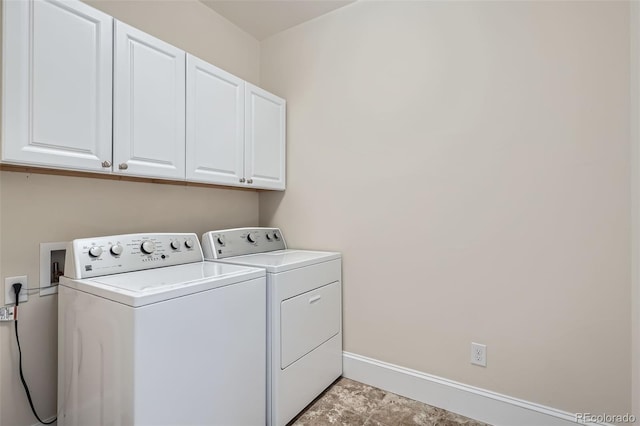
pixel 52 257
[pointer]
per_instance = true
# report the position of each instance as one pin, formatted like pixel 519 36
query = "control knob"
pixel 251 238
pixel 148 247
pixel 116 250
pixel 268 236
pixel 189 243
pixel 221 240
pixel 275 235
pixel 175 244
pixel 95 251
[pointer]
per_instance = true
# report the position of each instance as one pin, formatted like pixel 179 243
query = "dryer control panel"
pixel 97 256
pixel 241 241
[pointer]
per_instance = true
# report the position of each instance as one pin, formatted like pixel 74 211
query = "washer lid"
pixel 283 260
pixel 155 285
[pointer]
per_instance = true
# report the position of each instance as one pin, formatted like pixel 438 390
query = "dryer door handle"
pixel 314 299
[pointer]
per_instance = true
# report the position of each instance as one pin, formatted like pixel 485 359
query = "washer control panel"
pixel 241 241
pixel 93 257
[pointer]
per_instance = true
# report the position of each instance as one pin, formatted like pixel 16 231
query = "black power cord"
pixel 16 289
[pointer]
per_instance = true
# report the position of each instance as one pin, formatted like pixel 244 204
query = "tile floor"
pixel 352 403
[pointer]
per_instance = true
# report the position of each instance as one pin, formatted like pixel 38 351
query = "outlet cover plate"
pixel 479 354
pixel 9 295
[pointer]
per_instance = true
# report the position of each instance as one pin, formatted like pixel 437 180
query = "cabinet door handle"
pixel 249 180
pixel 106 163
pixel 123 166
pixel 241 180
pixel 314 299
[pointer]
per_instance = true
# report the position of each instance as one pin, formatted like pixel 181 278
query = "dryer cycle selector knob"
pixel 95 251
pixel 116 250
pixel 251 238
pixel 189 243
pixel 276 236
pixel 175 244
pixel 148 247
pixel 268 236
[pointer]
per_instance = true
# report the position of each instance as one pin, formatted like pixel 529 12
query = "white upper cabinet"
pixel 235 131
pixel 83 91
pixel 264 139
pixel 57 71
pixel 149 106
pixel 215 124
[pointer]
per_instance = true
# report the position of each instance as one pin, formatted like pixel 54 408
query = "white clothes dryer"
pixel 304 314
pixel 150 334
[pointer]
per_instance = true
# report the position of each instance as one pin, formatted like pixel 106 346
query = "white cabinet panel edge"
pixel 15 61
pixel 18 144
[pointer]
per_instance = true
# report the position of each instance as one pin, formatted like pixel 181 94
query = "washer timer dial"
pixel 116 250
pixel 148 247
pixel 95 251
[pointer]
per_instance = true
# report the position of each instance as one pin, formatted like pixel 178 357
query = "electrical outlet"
pixel 479 354
pixel 9 294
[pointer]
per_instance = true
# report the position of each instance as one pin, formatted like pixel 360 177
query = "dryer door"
pixel 308 320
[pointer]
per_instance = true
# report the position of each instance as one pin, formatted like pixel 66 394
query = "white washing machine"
pixel 150 334
pixel 304 314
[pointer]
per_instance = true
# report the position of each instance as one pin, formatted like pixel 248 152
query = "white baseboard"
pixel 476 403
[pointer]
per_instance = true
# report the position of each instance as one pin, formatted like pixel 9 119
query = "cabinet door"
pixel 264 139
pixel 215 124
pixel 149 105
pixel 57 70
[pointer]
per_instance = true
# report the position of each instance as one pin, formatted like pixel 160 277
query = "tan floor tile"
pixel 351 403
pixel 373 422
pixel 397 410
pixel 357 397
pixel 329 417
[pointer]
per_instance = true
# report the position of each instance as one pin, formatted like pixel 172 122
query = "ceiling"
pixel 263 18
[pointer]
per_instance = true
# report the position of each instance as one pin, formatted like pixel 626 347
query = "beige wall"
pixel 193 27
pixel 471 161
pixel 635 208
pixel 38 208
